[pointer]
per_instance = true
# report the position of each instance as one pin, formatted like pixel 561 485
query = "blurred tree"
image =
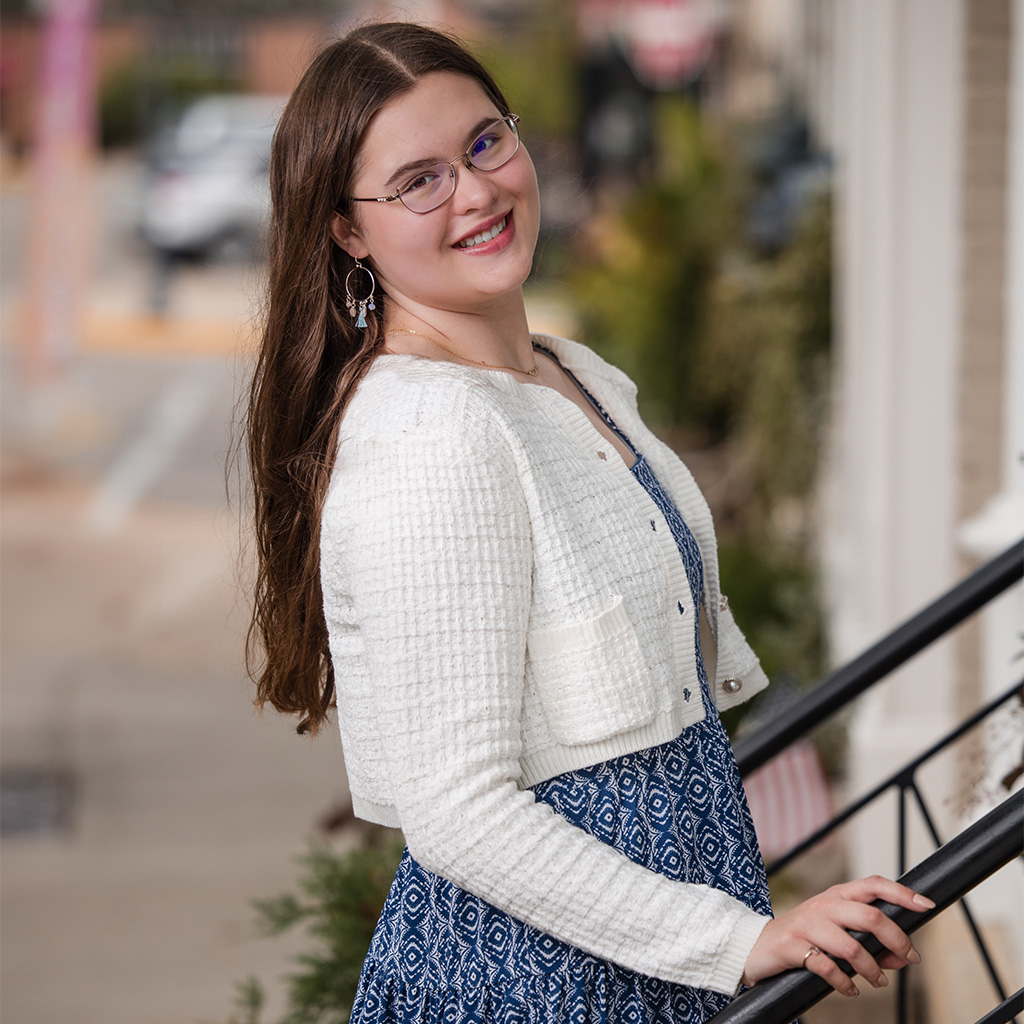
pixel 646 266
pixel 766 369
pixel 764 366
pixel 535 64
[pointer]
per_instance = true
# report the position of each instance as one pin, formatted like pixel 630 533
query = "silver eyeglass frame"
pixel 466 158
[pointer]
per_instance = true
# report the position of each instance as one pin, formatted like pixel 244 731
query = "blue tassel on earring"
pixel 361 322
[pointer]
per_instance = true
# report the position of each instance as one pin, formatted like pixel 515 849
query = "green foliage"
pixel 646 269
pixel 773 591
pixel 339 900
pixel 764 365
pixel 250 1001
pixel 536 68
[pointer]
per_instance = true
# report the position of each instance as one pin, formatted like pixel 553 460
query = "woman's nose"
pixel 473 188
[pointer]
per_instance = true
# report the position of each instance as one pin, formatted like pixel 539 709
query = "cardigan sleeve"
pixel 432 540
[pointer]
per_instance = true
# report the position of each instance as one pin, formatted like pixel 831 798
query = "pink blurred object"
pixel 789 798
pixel 58 241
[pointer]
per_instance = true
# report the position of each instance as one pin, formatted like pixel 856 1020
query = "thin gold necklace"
pixel 458 355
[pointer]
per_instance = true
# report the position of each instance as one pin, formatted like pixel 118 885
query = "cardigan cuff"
pixel 727 974
pixel 379 814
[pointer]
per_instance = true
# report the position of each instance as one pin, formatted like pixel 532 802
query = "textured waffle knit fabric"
pixel 442 954
pixel 506 605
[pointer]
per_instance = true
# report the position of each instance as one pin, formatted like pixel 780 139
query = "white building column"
pixel 891 492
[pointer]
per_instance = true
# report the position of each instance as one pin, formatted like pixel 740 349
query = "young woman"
pixel 468 535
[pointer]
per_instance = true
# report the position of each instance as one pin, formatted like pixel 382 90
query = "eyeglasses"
pixel 427 189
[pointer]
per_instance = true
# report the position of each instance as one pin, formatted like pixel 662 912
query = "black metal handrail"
pixel 1006 1010
pixel 904 782
pixel 842 686
pixel 849 682
pixel 945 877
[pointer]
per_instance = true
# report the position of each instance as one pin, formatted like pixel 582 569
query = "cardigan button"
pixel 723 603
pixel 732 685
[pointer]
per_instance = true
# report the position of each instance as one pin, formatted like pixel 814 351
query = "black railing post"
pixel 1017 690
pixel 902 988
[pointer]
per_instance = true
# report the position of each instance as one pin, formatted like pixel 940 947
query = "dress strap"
pixel 600 409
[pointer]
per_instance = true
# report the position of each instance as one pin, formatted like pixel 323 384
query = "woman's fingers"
pixel 875 887
pixel 890 961
pixel 825 967
pixel 838 942
pixel 823 924
pixel 863 917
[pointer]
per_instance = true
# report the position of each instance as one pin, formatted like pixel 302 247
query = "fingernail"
pixel 923 902
pixel 855 992
pixel 913 956
pixel 882 981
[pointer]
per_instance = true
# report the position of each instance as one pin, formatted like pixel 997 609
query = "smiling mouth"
pixel 484 236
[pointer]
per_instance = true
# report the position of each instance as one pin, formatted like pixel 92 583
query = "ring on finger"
pixel 810 952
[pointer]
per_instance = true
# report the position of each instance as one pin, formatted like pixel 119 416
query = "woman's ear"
pixel 347 236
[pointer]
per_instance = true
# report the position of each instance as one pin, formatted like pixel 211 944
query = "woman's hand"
pixel 820 925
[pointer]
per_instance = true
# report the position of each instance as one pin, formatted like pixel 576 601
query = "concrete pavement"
pixel 121 663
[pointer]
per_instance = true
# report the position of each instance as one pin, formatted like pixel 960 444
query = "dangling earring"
pixel 351 302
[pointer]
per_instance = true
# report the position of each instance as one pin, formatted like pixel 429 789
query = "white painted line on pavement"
pixel 141 464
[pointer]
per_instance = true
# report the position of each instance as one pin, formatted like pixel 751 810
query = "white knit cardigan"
pixel 505 603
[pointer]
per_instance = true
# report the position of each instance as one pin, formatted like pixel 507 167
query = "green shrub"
pixel 645 271
pixel 339 900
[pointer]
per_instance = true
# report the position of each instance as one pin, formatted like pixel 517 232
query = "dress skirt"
pixel 441 955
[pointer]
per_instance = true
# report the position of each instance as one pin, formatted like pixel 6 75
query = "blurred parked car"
pixel 206 190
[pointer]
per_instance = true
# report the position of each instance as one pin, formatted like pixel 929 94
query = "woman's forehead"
pixel 431 121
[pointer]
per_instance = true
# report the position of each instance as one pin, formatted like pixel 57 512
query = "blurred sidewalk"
pixel 125 703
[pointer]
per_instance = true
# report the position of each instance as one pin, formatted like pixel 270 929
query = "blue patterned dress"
pixel 441 955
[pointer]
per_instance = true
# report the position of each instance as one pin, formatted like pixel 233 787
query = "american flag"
pixel 789 798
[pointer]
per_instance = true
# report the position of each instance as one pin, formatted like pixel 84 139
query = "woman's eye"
pixel 484 143
pixel 425 180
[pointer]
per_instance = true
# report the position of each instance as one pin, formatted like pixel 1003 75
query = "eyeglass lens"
pixel 495 146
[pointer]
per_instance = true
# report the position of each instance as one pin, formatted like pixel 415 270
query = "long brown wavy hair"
pixel 311 355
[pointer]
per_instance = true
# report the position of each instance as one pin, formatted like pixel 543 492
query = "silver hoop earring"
pixel 357 307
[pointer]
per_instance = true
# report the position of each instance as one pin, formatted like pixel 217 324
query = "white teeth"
pixel 484 236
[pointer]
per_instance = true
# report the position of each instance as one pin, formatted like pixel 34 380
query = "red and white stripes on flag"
pixel 789 798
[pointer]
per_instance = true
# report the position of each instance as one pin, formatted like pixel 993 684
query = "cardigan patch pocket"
pixel 591 677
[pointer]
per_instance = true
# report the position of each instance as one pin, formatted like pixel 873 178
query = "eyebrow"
pixel 429 161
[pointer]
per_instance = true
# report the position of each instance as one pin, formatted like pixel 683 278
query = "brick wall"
pixel 986 137
pixel 984 257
